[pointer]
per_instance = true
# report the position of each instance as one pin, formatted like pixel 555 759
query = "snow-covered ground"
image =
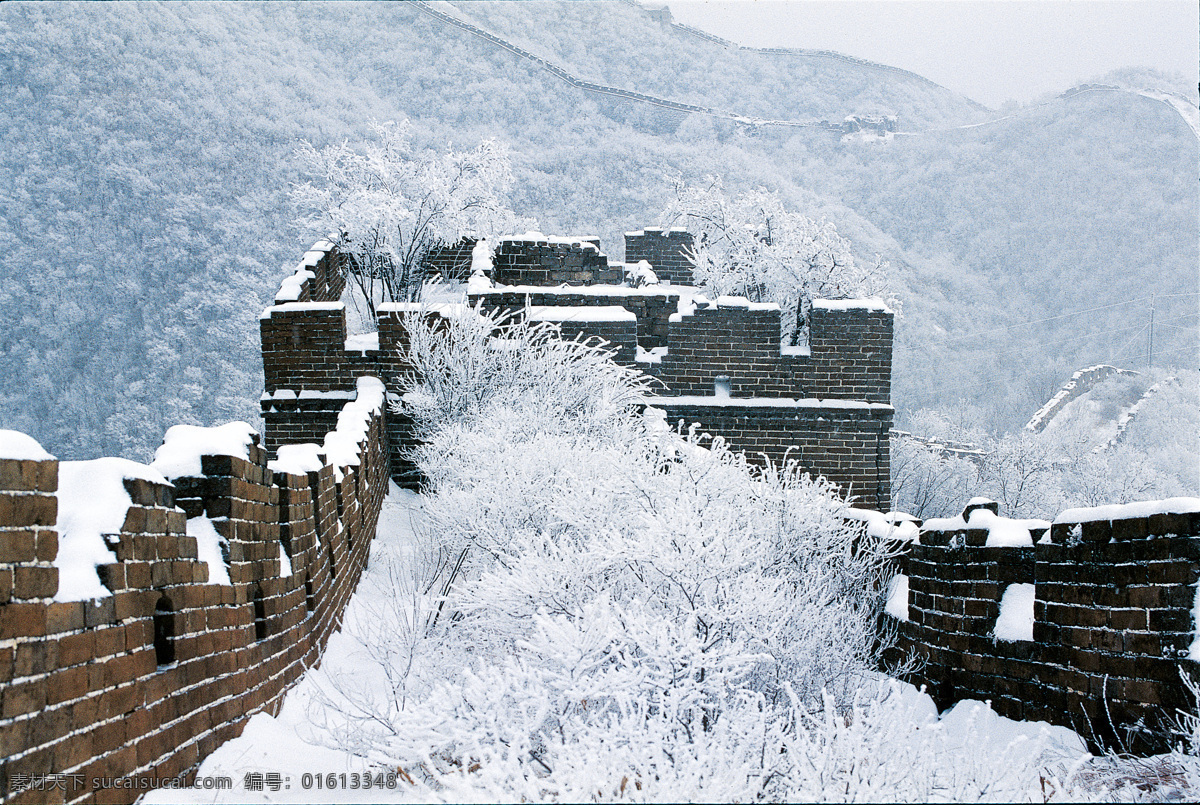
pixel 292 757
pixel 294 745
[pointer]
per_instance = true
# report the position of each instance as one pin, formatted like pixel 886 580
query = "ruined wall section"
pixel 311 366
pixel 547 261
pixel 667 251
pixel 147 681
pixel 825 405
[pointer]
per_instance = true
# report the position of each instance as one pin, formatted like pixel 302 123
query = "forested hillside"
pixel 147 155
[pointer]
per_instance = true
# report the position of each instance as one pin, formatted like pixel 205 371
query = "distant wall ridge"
pixel 675 106
pixel 665 16
pixel 1081 383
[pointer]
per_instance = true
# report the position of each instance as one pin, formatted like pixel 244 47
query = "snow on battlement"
pixel 17 446
pixel 563 313
pixel 851 304
pixel 1088 624
pixel 179 455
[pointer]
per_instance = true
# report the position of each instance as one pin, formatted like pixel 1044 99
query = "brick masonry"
pixel 652 306
pixel 849 359
pixel 450 261
pixel 85 687
pixel 308 370
pixel 847 446
pixel 850 354
pixel 1111 632
pixel 553 262
pixel 846 374
pixel 667 251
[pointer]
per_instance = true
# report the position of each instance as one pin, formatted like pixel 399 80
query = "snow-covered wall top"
pixel 143 622
pixel 1126 511
pixel 1087 622
pixel 18 446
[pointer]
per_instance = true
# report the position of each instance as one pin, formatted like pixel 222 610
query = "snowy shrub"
pixel 619 612
pixel 927 482
pixel 598 608
pixel 474 363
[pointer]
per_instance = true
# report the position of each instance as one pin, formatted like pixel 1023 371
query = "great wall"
pixel 140 684
pixel 880 124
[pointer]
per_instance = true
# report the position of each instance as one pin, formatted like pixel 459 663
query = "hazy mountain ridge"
pixel 1156 413
pixel 622 45
pixel 136 306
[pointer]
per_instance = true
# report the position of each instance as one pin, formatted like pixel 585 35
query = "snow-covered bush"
pixel 621 610
pixel 927 481
pixel 474 363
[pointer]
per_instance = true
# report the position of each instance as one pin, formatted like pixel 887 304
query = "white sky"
pixel 989 50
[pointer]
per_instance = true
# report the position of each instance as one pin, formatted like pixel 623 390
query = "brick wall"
pixel 309 370
pixel 614 326
pixel 554 261
pixel 738 342
pixel 851 353
pixel 849 357
pixel 28 540
pixel 666 251
pixel 450 261
pixel 652 306
pixel 1111 631
pixel 317 278
pixel 849 446
pixel 147 682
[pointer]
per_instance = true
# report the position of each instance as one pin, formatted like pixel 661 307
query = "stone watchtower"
pixel 826 406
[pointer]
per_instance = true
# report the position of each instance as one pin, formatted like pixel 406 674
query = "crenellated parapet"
pixel 1086 623
pixel 719 364
pixel 153 610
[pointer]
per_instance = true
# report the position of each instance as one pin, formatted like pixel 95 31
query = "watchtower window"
pixel 260 614
pixel 164 632
pixel 310 600
pixel 722 386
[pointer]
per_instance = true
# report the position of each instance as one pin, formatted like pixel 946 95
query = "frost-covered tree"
pixel 1029 474
pixel 387 206
pixel 754 245
pixel 927 481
